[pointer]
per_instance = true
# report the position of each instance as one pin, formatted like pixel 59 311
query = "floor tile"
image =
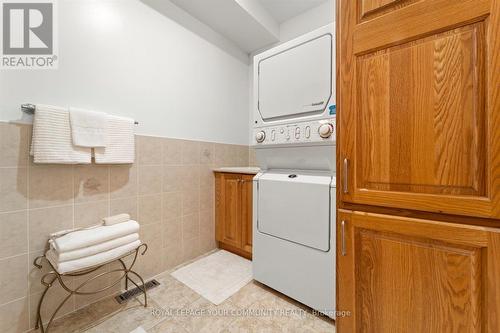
pixel 128 319
pixel 173 307
pixel 203 316
pixel 172 294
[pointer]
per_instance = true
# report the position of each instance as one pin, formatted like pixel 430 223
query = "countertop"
pixel 245 170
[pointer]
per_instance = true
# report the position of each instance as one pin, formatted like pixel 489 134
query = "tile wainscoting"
pixel 169 190
pixel 252 158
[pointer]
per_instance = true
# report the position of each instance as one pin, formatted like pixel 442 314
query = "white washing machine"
pixel 294 195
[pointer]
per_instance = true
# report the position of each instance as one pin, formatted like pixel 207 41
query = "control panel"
pixel 303 132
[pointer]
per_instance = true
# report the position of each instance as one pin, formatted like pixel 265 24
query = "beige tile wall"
pixel 169 190
pixel 252 158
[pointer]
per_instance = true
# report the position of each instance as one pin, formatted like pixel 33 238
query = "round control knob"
pixel 325 130
pixel 260 136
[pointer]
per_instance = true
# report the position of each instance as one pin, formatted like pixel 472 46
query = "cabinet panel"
pixel 431 280
pixel 368 8
pixel 372 5
pixel 233 212
pixel 409 275
pixel 421 117
pixel 228 217
pixel 246 213
pixel 418 119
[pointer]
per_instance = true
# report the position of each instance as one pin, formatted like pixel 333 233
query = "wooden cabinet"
pixel 419 104
pixel 228 216
pixel 418 136
pixel 233 212
pixel 398 274
pixel 246 213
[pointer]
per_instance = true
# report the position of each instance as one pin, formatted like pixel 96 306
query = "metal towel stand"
pixel 54 275
pixel 30 109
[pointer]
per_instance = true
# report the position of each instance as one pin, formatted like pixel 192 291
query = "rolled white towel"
pixel 110 220
pixel 94 249
pixel 85 238
pixel 90 261
pixel 61 233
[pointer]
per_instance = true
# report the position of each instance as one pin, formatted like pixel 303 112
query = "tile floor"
pixel 173 307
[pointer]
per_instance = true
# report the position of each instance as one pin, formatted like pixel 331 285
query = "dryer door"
pixel 296 81
pixel 295 207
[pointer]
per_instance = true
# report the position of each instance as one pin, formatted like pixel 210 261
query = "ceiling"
pixel 249 24
pixel 283 10
pixel 238 20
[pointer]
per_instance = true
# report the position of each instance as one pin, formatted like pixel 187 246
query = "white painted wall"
pixel 296 26
pixel 124 58
pixel 308 21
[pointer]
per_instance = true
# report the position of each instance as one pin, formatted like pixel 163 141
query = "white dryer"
pixel 294 195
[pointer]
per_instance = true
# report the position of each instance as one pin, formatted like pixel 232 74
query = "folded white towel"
pixel 94 249
pixel 61 233
pixel 90 261
pixel 110 220
pixel 88 237
pixel 52 142
pixel 88 128
pixel 120 147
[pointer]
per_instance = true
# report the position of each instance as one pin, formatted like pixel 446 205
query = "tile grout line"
pixel 16 255
pixel 109 192
pixel 138 170
pixel 57 206
pixel 14 300
pixel 28 214
pixel 73 201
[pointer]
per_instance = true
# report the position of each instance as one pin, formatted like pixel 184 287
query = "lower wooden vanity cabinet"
pixel 233 212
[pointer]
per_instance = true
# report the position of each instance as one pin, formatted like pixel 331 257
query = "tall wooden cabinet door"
pixel 228 209
pixel 246 212
pixel 419 104
pixel 399 274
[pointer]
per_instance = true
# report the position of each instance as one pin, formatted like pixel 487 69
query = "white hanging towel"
pixel 51 142
pixel 88 128
pixel 120 148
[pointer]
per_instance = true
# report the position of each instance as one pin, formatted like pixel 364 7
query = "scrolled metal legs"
pixel 39 307
pixel 55 313
pixel 54 275
pixel 126 274
pixel 143 288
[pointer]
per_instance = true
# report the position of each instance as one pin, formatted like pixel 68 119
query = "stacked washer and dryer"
pixel 294 194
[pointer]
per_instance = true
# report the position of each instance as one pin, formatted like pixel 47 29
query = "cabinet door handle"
pixel 343 244
pixel 346 175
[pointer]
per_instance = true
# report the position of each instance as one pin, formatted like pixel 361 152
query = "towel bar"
pixel 49 278
pixel 30 109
